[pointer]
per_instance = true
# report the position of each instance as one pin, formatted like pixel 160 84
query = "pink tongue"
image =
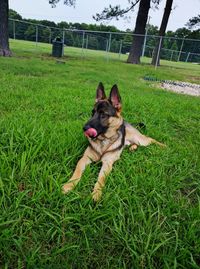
pixel 91 132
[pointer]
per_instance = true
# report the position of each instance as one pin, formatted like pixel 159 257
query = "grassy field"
pixel 149 216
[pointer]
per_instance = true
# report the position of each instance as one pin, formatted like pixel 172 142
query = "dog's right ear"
pixel 100 95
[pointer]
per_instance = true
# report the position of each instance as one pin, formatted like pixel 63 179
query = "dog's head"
pixel 105 114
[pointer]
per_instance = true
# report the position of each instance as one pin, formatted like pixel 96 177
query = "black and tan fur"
pixel 113 134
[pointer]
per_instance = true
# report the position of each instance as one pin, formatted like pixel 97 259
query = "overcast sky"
pixel 182 11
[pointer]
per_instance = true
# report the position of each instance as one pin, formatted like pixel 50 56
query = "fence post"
pixel 49 35
pixel 179 55
pixel 145 37
pixel 13 29
pixel 63 36
pixel 187 57
pixel 83 41
pixel 36 35
pixel 158 52
pixel 86 46
pixel 172 55
pixel 120 49
pixel 144 45
pixel 106 48
pixel 109 45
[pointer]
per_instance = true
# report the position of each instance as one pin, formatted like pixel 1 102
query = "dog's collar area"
pixel 122 127
pixel 121 131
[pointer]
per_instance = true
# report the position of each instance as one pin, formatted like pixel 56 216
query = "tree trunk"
pixel 138 38
pixel 163 26
pixel 4 36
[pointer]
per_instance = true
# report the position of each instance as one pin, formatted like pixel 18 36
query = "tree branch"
pixel 195 21
pixel 116 11
pixel 66 2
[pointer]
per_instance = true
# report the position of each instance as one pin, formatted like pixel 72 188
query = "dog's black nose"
pixel 86 127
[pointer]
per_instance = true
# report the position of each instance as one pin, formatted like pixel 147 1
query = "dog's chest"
pixel 106 144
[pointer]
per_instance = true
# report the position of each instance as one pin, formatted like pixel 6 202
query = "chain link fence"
pixel 111 44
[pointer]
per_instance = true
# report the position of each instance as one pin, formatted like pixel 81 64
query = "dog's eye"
pixel 104 115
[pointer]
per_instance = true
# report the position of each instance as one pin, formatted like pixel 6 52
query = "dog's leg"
pixel 153 141
pixel 80 167
pixel 107 164
pixel 133 147
pixel 142 140
pixel 87 158
pixel 134 137
pixel 105 170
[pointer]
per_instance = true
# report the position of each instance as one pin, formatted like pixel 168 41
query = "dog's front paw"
pixel 133 147
pixel 67 187
pixel 96 195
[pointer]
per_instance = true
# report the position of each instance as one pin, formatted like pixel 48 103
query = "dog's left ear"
pixel 115 97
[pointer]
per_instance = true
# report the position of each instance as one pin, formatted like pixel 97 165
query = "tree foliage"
pixel 14 15
pixel 66 2
pixel 119 12
pixel 194 22
pixel 115 11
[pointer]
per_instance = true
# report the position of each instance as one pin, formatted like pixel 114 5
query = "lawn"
pixel 149 215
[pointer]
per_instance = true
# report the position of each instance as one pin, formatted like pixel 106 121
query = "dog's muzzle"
pixel 89 132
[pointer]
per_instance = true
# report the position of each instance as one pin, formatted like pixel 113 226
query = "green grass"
pixel 149 214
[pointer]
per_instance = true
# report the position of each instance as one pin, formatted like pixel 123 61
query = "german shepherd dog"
pixel 107 134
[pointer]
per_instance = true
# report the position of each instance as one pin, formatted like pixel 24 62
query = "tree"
pixel 4 38
pixel 194 22
pixel 163 26
pixel 14 15
pixel 138 38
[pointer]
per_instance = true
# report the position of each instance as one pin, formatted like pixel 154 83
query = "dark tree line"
pixel 99 41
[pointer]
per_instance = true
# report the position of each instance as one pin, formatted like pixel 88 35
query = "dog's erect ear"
pixel 100 95
pixel 115 97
